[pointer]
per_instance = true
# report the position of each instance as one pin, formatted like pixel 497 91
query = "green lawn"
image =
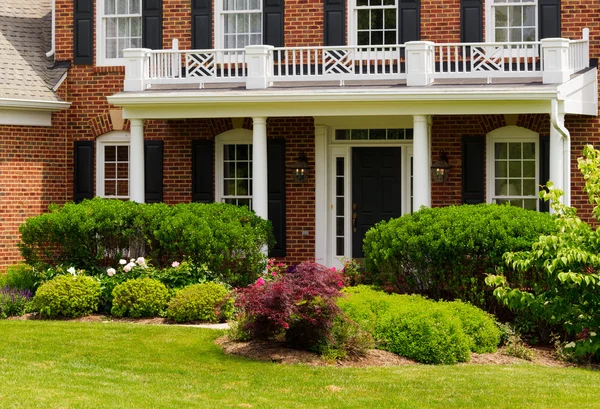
pixel 85 365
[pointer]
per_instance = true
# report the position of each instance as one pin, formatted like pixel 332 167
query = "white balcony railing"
pixel 419 63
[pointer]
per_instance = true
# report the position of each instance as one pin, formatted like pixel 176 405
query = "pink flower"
pixel 274 273
pixel 280 265
pixel 260 281
pixel 141 261
pixel 128 267
pixel 340 284
pixel 110 272
pixel 175 264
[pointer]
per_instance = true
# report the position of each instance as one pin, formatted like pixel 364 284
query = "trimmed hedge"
pixel 421 329
pixel 97 233
pixel 140 297
pixel 208 302
pixel 445 253
pixel 67 296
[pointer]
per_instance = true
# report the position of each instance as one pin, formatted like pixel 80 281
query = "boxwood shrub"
pixel 67 296
pixel 96 233
pixel 140 297
pixel 421 329
pixel 208 302
pixel 445 253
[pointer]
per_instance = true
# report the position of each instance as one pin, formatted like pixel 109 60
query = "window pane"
pixel 339 169
pixel 363 38
pixel 136 27
pixel 229 153
pixel 500 188
pixel 514 187
pixel 529 187
pixel 123 27
pixel 110 153
pixel 109 6
pixel 110 188
pixel 342 134
pixel 501 169
pixel 500 150
pixel 122 153
pixel 242 170
pixel 514 169
pixel 390 19
pixel 529 150
pixel 395 134
pixel 377 19
pixel 110 170
pixel 515 16
pixel 501 16
pixel 530 204
pixel 134 7
pixel 228 169
pixel 515 35
pixel 136 42
pixel 363 19
pixel 121 6
pixel 514 150
pixel 339 188
pixel 123 170
pixel 529 16
pixel 529 34
pixel 501 35
pixel 123 188
pixel 255 23
pixel 242 188
pixel 339 224
pixel 377 134
pixel 229 187
pixel 111 48
pixel 529 169
pixel 360 3
pixel 360 134
pixel 111 27
pixel 390 37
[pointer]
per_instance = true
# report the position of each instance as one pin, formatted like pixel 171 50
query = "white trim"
pixel 490 29
pixel 219 23
pixel 25 117
pixel 509 133
pixel 112 138
pixel 322 243
pixel 34 104
pixel 100 31
pixel 233 136
pixel 60 81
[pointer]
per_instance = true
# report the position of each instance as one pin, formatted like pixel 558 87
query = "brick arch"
pixel 101 124
pixel 490 122
pixel 534 122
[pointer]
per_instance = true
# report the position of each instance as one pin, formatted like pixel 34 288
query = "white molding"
pixel 233 136
pixel 321 210
pixel 25 117
pixel 490 20
pixel 509 133
pixel 32 104
pixel 100 37
pixel 109 138
pixel 60 81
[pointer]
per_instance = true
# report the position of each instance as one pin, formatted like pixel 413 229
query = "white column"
pixel 260 62
pixel 136 68
pixel 136 161
pixel 260 199
pixel 556 157
pixel 321 211
pixel 419 63
pixel 421 159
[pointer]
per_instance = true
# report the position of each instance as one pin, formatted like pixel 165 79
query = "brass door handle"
pixel 354 216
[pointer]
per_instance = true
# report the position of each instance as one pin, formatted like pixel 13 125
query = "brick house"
pixel 324 116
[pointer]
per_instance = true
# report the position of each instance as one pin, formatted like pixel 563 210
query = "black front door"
pixel 376 190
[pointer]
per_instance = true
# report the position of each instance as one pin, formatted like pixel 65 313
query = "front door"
pixel 376 190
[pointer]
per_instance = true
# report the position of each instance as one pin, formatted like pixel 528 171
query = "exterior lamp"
pixel 441 168
pixel 300 168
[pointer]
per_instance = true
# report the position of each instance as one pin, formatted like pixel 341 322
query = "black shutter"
pixel 473 172
pixel 409 21
pixel 276 181
pixel 273 23
pixel 202 171
pixel 335 22
pixel 544 168
pixel 471 21
pixel 201 24
pixel 549 18
pixel 83 32
pixel 83 177
pixel 152 24
pixel 153 171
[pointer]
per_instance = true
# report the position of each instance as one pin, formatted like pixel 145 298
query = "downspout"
pixel 51 52
pixel 560 127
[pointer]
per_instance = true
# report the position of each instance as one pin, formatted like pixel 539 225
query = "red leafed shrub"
pixel 299 304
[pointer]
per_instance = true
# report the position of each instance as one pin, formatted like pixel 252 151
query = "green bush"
pixel 418 328
pixel 67 296
pixel 13 301
pixel 445 253
pixel 225 240
pixel 208 302
pixel 21 276
pixel 479 326
pixel 140 297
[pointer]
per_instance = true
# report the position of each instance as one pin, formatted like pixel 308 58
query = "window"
pixel 373 134
pixel 119 25
pixel 513 167
pixel 112 169
pixel 512 20
pixel 239 23
pixel 234 167
pixel 376 22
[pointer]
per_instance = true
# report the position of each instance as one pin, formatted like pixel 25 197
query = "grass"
pixel 94 365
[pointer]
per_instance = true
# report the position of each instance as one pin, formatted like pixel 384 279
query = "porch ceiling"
pixel 359 98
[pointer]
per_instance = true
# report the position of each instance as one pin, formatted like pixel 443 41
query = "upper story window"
pixel 376 22
pixel 119 27
pixel 239 23
pixel 512 20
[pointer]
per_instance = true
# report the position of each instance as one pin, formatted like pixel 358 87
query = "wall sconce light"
pixel 441 168
pixel 300 168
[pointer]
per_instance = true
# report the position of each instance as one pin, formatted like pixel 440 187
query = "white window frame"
pixel 231 137
pixel 219 22
pixel 509 134
pixel 114 138
pixel 353 24
pixel 101 59
pixel 491 18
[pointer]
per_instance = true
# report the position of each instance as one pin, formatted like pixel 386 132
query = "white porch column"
pixel 421 159
pixel 556 158
pixel 260 200
pixel 136 161
pixel 555 52
pixel 321 231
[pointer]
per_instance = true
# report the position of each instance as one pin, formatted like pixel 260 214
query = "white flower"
pixel 132 260
pixel 111 272
pixel 141 261
pixel 128 267
pixel 71 270
pixel 122 262
pixel 175 264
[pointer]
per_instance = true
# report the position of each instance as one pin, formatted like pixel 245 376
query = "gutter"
pixel 8 103
pixel 560 127
pixel 51 52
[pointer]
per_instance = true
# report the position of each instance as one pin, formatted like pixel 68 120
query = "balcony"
pixel 417 63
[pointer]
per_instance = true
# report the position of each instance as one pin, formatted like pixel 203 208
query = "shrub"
pixel 298 305
pixel 20 276
pixel 13 301
pixel 67 296
pixel 140 297
pixel 446 252
pixel 418 328
pixel 208 302
pixel 347 339
pixel 217 237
